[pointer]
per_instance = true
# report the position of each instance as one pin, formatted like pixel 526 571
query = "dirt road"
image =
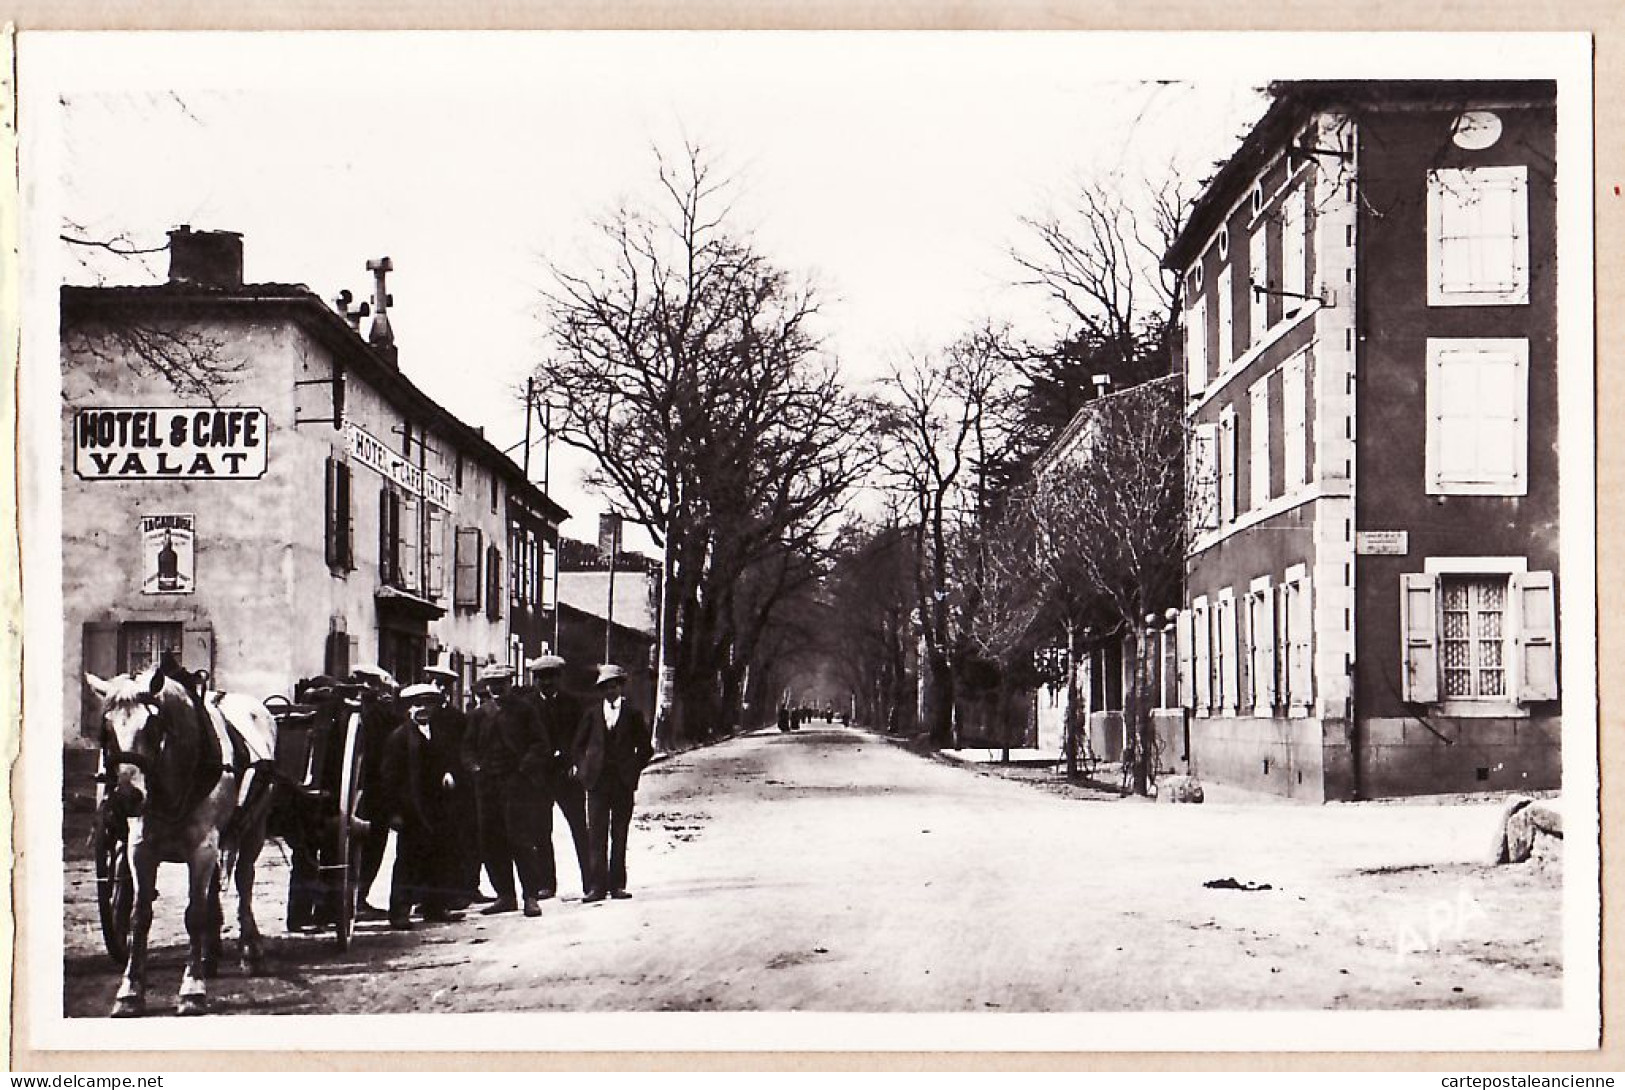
pixel 829 870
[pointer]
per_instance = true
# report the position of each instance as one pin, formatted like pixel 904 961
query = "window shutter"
pixel 1419 626
pixel 100 642
pixel 336 656
pixel 386 536
pixel 1258 273
pixel 434 545
pixel 1227 465
pixel 1266 685
pixel 1185 642
pixel 408 531
pixel 1303 683
pixel 1232 668
pixel 1537 635
pixel 493 582
pixel 1203 676
pixel 346 519
pixel 467 590
pixel 1196 346
pixel 1294 251
pixel 331 520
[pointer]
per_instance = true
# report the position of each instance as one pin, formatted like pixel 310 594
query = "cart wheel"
pixel 348 860
pixel 115 889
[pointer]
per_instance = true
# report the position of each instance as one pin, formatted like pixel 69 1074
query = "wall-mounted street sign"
pixel 168 554
pixel 1382 542
pixel 139 443
pixel 371 452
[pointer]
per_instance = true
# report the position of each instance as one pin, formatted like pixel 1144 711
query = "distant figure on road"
pixel 612 748
pixel 561 715
pixel 508 748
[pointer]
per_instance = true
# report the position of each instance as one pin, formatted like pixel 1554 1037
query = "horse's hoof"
pixel 192 1004
pixel 129 1006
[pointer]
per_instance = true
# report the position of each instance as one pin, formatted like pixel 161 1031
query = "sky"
pixel 893 169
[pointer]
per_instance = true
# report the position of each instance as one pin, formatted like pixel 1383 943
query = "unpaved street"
pixel 830 870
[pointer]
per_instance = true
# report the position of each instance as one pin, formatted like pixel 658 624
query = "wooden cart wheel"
pixel 115 888
pixel 350 788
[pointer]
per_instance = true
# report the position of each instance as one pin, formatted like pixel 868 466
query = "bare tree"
pixel 181 353
pixel 943 421
pixel 686 366
pixel 1112 519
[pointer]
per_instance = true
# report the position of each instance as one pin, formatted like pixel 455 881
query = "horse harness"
pixel 206 767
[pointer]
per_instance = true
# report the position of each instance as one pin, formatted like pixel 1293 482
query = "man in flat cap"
pixel 612 748
pixel 508 748
pixel 561 714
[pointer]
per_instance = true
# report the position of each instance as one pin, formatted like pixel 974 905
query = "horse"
pixel 191 777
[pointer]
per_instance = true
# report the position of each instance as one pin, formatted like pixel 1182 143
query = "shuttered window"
pixel 389 538
pixel 1258 445
pixel 1196 346
pixel 1294 253
pixel 1478 236
pixel 1202 640
pixel 493 582
pixel 339 529
pixel 1227 465
pixel 1261 656
pixel 1258 298
pixel 1488 637
pixel 1477 416
pixel 1202 504
pixel 1227 334
pixel 1294 430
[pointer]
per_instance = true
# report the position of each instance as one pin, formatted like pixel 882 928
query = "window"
pixel 1202 476
pixel 1227 464
pixel 1258 198
pixel 1295 639
pixel 1478 637
pixel 1294 253
pixel 493 582
pixel 389 537
pixel 1478 236
pixel 1258 272
pixel 493 491
pixel 1196 345
pixel 143 644
pixel 1196 278
pixel 1226 304
pixel 458 472
pixel 466 593
pixel 1261 646
pixel 339 534
pixel 1258 443
pixel 1224 243
pixel 1477 439
pixel 1294 432
pixel 410 532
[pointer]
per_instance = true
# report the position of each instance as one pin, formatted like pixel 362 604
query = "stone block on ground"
pixel 1179 789
pixel 1528 828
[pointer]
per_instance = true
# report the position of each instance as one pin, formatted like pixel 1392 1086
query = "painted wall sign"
pixel 168 554
pixel 144 444
pixel 1382 542
pixel 367 449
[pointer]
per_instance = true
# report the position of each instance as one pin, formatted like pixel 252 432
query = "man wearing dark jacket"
pixel 612 748
pixel 508 749
pixel 420 774
pixel 561 714
pixel 461 833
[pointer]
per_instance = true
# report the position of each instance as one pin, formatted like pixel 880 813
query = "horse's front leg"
pixel 131 1000
pixel 251 946
pixel 204 870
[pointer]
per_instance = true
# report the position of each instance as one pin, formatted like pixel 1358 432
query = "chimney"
pixel 609 533
pixel 1103 384
pixel 206 259
pixel 381 336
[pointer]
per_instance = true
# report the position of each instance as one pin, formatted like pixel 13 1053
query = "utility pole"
pixel 530 401
pixel 609 611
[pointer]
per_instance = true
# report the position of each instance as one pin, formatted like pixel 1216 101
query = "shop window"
pixel 1478 236
pixel 1477 426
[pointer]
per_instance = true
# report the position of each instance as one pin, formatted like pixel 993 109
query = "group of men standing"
pixel 466 791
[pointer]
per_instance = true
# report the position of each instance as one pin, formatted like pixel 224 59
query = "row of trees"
pixel 689 366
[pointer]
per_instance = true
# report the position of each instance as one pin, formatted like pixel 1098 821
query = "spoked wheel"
pixel 348 861
pixel 115 888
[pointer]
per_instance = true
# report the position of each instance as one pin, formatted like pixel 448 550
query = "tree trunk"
pixel 940 702
pixel 1069 728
